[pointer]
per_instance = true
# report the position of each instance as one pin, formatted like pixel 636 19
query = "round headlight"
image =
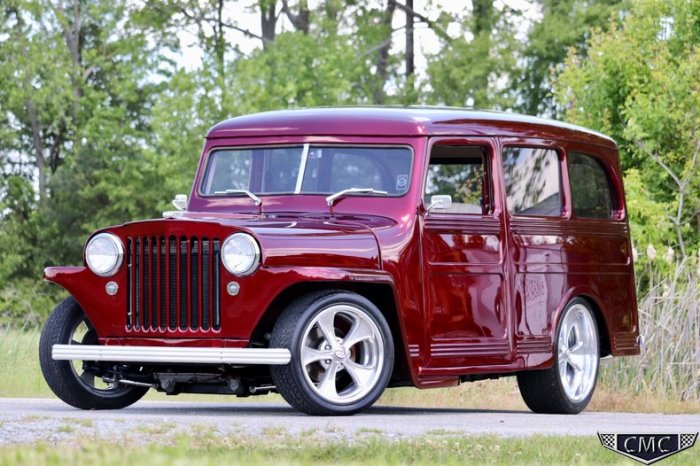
pixel 240 254
pixel 104 254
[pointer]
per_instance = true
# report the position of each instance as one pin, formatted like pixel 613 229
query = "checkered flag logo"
pixel 647 448
pixel 607 440
pixel 687 440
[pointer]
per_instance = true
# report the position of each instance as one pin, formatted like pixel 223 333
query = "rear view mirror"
pixel 440 201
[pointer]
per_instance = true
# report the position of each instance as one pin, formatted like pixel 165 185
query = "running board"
pixel 172 354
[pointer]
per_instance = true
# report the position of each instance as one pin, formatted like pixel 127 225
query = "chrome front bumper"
pixel 174 355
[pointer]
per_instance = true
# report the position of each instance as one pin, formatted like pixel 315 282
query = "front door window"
pixel 462 173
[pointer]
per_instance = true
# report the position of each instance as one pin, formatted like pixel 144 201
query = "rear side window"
pixel 532 183
pixel 590 187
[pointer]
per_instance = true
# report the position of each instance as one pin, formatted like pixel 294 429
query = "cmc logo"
pixel 647 448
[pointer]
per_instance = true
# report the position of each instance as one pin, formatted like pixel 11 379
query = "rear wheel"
pixel 342 353
pixel 75 382
pixel 566 387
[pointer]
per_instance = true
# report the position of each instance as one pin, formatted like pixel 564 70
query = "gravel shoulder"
pixel 29 420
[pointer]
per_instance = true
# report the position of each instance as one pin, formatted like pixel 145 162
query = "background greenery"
pixel 100 124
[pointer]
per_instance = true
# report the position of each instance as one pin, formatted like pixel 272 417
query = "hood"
pixel 286 240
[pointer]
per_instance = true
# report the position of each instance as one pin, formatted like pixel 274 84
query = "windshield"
pixel 306 169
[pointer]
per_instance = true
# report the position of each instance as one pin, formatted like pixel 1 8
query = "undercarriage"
pixel 173 380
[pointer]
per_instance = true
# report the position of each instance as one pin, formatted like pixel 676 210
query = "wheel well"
pixel 380 294
pixel 605 347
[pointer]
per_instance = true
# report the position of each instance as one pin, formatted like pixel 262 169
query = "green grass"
pixel 233 450
pixel 19 364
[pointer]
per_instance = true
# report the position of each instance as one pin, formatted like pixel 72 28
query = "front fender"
pixel 89 290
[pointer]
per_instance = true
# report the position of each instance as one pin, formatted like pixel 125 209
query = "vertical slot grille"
pixel 173 283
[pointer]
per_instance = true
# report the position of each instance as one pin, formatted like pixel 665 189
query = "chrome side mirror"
pixel 180 201
pixel 440 201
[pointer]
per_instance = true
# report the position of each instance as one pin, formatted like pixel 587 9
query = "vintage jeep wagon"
pixel 328 254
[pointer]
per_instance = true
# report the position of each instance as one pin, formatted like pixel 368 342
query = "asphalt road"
pixel 26 420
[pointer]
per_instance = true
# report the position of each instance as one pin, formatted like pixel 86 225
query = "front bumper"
pixel 172 355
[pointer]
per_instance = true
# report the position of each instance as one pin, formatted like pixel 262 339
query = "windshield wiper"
pixel 255 198
pixel 351 192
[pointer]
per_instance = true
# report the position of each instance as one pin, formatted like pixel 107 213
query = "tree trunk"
pixel 483 17
pixel 32 113
pixel 482 26
pixel 268 21
pixel 410 54
pixel 300 21
pixel 38 145
pixel 382 63
pixel 71 34
pixel 220 50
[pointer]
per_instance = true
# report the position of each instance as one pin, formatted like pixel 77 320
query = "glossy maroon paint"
pixel 473 294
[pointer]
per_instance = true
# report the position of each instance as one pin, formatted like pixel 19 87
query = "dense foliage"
pixel 101 122
pixel 640 84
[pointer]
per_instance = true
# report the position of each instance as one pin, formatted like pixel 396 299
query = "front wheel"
pixel 75 382
pixel 566 387
pixel 342 353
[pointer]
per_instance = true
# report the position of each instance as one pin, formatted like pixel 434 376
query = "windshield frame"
pixel 305 146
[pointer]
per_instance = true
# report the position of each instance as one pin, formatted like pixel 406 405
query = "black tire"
pixel 544 390
pixel 374 354
pixel 61 376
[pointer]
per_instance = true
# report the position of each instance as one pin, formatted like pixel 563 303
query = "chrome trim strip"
pixel 169 354
pixel 302 169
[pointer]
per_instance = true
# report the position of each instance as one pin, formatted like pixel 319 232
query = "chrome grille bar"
pixel 173 284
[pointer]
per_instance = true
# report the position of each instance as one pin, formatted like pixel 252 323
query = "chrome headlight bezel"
pixel 243 268
pixel 119 248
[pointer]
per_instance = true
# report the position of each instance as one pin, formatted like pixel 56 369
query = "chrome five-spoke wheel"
pixel 577 352
pixel 566 387
pixel 342 353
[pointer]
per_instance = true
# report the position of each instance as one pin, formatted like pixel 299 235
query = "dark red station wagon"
pixel 327 254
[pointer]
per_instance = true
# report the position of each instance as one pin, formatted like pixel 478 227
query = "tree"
pixel 469 71
pixel 77 91
pixel 639 84
pixel 41 105
pixel 565 24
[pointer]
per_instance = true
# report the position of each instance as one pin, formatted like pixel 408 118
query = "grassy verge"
pixel 372 449
pixel 503 394
pixel 19 364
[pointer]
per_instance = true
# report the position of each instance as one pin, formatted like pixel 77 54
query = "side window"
pixel 532 181
pixel 462 173
pixel 590 187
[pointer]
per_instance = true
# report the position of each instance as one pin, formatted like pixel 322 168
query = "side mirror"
pixel 180 201
pixel 440 201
